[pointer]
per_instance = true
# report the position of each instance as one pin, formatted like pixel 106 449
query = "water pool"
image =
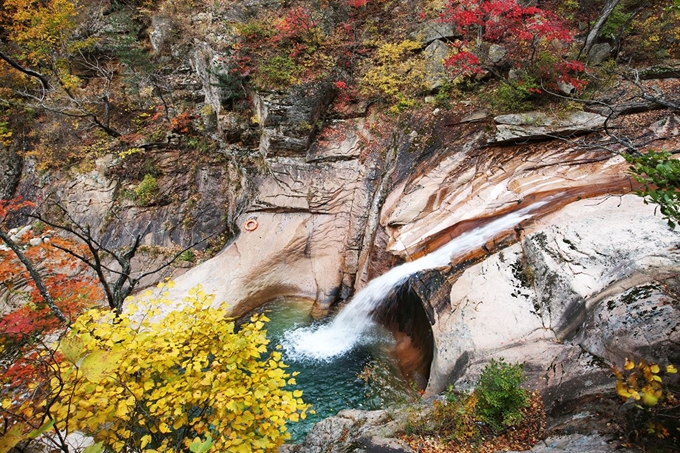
pixel 334 384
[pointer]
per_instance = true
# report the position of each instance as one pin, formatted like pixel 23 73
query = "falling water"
pixel 353 324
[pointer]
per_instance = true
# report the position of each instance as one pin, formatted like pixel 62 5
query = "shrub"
pixel 475 421
pixel 5 134
pixel 525 33
pixel 188 256
pixel 653 418
pixel 500 397
pixel 277 72
pixel 147 190
pixel 515 96
pixel 659 175
pixel 397 75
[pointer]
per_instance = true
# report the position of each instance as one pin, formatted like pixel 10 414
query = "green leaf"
pixel 40 431
pixel 201 447
pixel 95 448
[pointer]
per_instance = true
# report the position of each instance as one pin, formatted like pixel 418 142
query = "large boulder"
pixel 432 30
pixel 436 73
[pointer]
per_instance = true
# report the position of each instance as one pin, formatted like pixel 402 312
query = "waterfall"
pixel 353 325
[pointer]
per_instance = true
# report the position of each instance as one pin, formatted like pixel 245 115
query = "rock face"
pixel 310 219
pixel 289 120
pixel 586 287
pixel 10 171
pixel 93 199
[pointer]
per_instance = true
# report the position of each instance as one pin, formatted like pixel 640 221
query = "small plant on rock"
pixel 477 421
pixel 500 395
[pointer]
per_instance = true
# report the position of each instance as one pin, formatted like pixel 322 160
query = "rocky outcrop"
pixel 578 443
pixel 524 127
pixel 309 219
pixel 436 73
pixel 429 31
pixel 289 120
pixel 10 172
pixel 355 431
pixel 191 204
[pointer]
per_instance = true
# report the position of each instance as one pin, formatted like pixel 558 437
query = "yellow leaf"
pixel 12 437
pixel 654 368
pixel 145 440
pixel 670 369
pixel 628 365
pixel 178 423
pixel 297 393
pixel 122 410
pixel 623 390
pixel 649 399
pixel 72 348
pixel 164 428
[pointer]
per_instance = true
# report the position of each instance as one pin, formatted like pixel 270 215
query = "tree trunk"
pixel 597 28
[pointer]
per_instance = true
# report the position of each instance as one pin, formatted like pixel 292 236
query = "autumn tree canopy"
pixel 158 382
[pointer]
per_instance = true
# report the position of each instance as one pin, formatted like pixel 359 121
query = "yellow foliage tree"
pixel 40 27
pixel 396 74
pixel 150 383
pixel 48 47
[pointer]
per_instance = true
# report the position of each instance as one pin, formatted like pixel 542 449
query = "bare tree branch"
pixel 124 284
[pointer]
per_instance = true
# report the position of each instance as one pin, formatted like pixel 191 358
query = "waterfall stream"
pixel 353 325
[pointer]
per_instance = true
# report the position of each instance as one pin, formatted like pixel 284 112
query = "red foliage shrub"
pixel 534 39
